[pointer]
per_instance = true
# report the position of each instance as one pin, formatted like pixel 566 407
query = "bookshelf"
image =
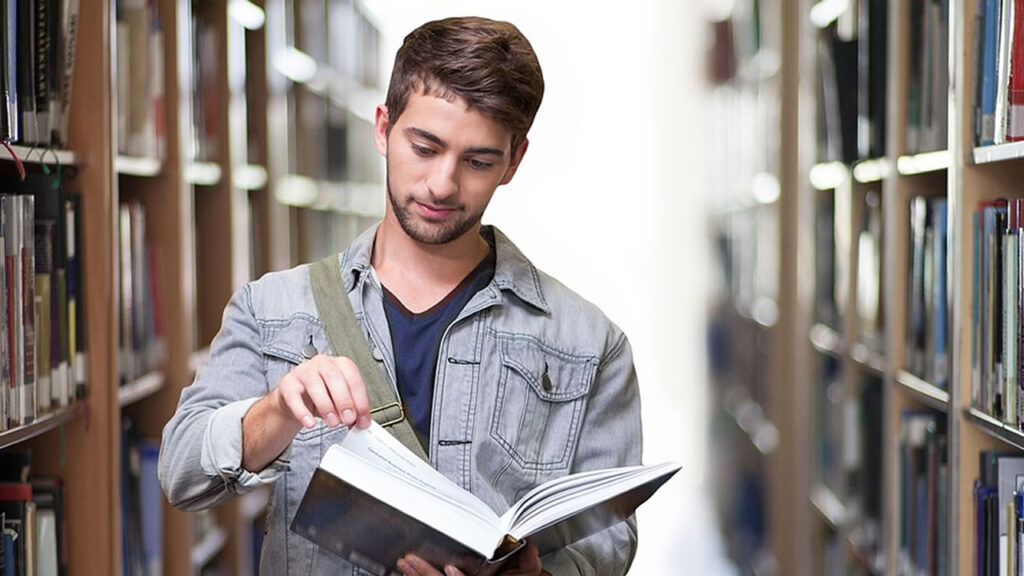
pixel 889 321
pixel 205 179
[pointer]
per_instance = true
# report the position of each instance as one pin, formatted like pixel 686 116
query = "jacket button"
pixel 545 382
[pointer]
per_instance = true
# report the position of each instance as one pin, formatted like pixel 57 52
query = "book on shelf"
pixel 927 307
pixel 870 306
pixel 999 72
pixel 873 53
pixel 141 503
pixel 32 512
pixel 996 301
pixel 142 348
pixel 998 492
pixel 139 79
pixel 924 486
pixel 928 76
pixel 18 222
pixel 370 479
pixel 38 47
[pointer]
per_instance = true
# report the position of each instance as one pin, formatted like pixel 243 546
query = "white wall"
pixel 609 197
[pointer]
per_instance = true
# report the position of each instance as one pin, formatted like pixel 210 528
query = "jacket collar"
pixel 513 272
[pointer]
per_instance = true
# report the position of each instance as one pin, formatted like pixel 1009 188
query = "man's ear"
pixel 517 157
pixel 380 129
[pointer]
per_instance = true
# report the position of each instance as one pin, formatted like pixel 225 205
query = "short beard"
pixel 429 234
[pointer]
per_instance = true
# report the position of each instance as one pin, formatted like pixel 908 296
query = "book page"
pixel 379 448
pixel 569 496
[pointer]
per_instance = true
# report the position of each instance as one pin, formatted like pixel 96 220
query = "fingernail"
pixel 349 416
pixel 307 421
pixel 364 422
pixel 331 418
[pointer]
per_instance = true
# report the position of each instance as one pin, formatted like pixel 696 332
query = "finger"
pixel 356 389
pixel 420 566
pixel 527 562
pixel 315 389
pixel 290 390
pixel 452 571
pixel 337 387
pixel 405 568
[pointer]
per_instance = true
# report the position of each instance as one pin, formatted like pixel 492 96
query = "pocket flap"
pixel 555 376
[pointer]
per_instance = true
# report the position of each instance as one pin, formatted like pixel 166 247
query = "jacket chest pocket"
pixel 540 401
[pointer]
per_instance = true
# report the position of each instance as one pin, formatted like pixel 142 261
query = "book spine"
pixel 1015 131
pixel 69 38
pixel 10 125
pixel 28 305
pixel 988 73
pixel 1003 70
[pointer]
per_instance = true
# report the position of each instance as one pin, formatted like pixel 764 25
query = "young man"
pixel 509 378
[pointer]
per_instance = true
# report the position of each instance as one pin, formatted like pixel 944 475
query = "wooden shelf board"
pixel 41 425
pixel 994 428
pixel 826 340
pixel 863 355
pixel 828 175
pixel 40 155
pixel 202 173
pixel 750 418
pixel 828 506
pixel 873 170
pixel 140 388
pixel 137 166
pixel 249 177
pixel 924 162
pixel 207 549
pixel 923 391
pixel 998 153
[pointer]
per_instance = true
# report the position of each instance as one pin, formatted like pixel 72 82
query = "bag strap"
pixel 346 338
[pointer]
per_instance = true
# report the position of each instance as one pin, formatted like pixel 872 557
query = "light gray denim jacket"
pixel 533 382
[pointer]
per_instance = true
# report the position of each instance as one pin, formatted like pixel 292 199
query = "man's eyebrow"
pixel 486 150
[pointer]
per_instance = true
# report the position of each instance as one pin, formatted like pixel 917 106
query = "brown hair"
pixel 487 63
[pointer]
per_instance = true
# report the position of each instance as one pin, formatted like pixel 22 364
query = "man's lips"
pixel 434 210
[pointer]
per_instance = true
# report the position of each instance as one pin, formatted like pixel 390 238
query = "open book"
pixel 373 501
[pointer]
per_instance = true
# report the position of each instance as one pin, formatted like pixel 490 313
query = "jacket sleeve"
pixel 610 436
pixel 206 428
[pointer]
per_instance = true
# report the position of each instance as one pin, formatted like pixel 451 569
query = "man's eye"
pixel 422 150
pixel 480 164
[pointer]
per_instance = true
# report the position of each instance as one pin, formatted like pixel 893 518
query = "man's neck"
pixel 420 274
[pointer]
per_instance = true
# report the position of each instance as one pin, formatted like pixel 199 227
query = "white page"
pixel 418 499
pixel 379 448
pixel 578 496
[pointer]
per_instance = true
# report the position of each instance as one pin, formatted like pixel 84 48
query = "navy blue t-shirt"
pixel 417 337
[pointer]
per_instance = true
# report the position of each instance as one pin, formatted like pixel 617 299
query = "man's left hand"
pixel 525 563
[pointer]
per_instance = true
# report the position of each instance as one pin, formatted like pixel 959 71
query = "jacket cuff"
pixel 222 449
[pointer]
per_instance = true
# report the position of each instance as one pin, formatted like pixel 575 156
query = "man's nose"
pixel 443 180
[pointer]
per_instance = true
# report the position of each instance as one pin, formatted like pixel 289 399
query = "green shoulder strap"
pixel 347 339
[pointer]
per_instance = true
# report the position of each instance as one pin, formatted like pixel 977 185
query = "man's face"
pixel 444 161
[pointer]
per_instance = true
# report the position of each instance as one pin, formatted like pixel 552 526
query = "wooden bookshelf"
pixel 839 361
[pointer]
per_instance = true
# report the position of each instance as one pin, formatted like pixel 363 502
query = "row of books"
pixel 140 79
pixel 852 70
pixel 34 535
pixel 142 346
pixel 42 351
pixel 928 76
pixel 206 91
pixel 37 53
pixel 141 504
pixel 999 72
pixel 999 514
pixel 997 295
pixel 924 493
pixel 927 291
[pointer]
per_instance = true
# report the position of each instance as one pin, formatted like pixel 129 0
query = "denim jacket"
pixel 532 382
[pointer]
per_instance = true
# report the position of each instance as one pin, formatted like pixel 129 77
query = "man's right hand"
pixel 328 387
pixel 325 387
